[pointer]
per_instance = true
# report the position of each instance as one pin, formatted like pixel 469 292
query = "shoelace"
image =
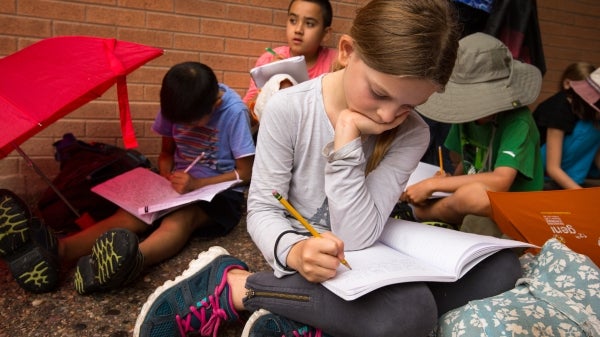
pixel 211 325
pixel 305 332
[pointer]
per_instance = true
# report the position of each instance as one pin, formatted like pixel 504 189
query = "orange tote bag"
pixel 571 216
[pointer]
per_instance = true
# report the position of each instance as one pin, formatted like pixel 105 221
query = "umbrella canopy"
pixel 49 79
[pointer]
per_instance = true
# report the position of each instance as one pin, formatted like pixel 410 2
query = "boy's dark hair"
pixel 326 10
pixel 189 91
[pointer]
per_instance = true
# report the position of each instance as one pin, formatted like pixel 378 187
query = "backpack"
pixel 82 166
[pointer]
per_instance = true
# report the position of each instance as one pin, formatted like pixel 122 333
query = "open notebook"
pixel 149 196
pixel 411 251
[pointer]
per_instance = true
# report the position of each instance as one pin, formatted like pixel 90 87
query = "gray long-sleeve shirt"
pixel 294 156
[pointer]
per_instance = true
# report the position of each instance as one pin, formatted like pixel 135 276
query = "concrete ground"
pixel 66 313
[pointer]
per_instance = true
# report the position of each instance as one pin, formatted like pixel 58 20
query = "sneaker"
pixel 441 224
pixel 115 261
pixel 27 245
pixel 402 210
pixel 263 323
pixel 198 300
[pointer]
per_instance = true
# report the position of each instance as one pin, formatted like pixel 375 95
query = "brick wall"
pixel 228 35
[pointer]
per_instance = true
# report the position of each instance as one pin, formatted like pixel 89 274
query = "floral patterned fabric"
pixel 558 295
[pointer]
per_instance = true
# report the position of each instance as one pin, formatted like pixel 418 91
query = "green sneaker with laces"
pixel 403 211
pixel 440 224
pixel 115 261
pixel 197 301
pixel 263 323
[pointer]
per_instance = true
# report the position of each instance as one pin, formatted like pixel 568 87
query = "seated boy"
pixel 198 116
pixel 494 140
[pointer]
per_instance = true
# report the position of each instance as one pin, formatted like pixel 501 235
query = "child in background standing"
pixel 198 115
pixel 308 28
pixel 570 131
pixel 340 147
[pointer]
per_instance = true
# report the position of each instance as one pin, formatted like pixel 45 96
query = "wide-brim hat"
pixel 589 89
pixel 485 80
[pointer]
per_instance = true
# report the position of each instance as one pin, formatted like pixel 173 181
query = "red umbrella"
pixel 49 79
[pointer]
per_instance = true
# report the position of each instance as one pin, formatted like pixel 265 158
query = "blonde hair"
pixel 579 71
pixel 406 37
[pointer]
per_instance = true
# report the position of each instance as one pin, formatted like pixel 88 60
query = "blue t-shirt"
pixel 578 151
pixel 581 139
pixel 223 139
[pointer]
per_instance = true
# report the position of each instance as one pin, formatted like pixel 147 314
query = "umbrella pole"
pixel 31 164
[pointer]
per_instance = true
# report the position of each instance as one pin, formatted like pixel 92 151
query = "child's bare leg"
pixel 172 234
pixel 468 199
pixel 79 244
pixel 236 278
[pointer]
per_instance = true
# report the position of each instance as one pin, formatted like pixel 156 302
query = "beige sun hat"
pixel 589 89
pixel 485 81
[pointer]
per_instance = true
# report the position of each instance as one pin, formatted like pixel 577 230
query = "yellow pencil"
pixel 441 160
pixel 303 221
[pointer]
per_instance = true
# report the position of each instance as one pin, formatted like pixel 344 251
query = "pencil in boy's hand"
pixel 187 169
pixel 441 160
pixel 270 50
pixel 303 221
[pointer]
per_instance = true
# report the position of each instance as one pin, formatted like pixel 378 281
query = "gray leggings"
pixel 406 309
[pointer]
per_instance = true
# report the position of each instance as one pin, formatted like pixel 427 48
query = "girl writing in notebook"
pixel 340 148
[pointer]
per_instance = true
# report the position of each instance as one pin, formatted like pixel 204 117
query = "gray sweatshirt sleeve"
pixel 288 159
pixel 360 206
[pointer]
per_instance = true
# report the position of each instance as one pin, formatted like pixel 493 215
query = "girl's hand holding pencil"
pixel 314 259
pixel 317 259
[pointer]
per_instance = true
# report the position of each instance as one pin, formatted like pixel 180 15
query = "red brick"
pixel 151 92
pixel 8 45
pixel 268 33
pixel 250 14
pixel 145 110
pixel 163 6
pixel 24 26
pixel 224 28
pixel 71 28
pixel 152 38
pixel 61 10
pixel 115 16
pixel 173 57
pixel 245 47
pixel 223 62
pixel 213 9
pixel 199 43
pixel 238 80
pixel 8 6
pixel 277 4
pixel 175 23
